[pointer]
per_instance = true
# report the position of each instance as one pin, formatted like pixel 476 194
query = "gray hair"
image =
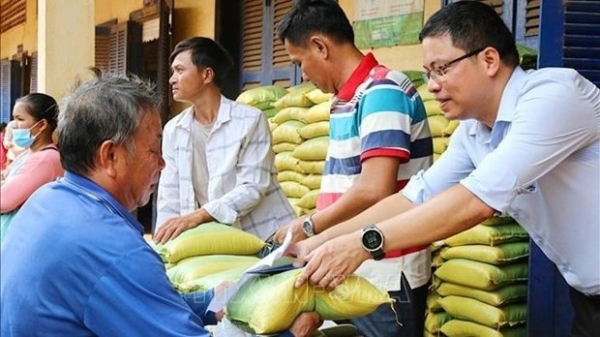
pixel 105 108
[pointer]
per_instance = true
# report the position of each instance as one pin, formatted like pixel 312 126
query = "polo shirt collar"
pixel 361 72
pixel 99 194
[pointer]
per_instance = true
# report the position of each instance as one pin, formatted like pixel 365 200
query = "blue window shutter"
pixel 581 46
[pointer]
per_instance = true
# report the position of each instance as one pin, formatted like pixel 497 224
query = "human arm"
pixel 134 298
pixel 168 199
pixel 38 168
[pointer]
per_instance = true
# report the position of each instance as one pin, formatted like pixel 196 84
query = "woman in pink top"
pixel 35 117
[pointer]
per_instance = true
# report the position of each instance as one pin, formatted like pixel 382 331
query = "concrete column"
pixel 66 35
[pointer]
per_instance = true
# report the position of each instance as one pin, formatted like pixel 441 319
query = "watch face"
pixel 372 239
pixel 307 227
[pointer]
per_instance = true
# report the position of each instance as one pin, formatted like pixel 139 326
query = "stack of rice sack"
pixel 202 258
pixel 300 140
pixel 481 285
pixel 440 127
pixel 269 304
pixel 263 98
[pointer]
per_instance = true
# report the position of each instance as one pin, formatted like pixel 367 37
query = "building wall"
pixel 25 34
pixel 401 57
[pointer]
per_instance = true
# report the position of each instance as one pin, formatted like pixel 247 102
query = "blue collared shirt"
pixel 75 263
pixel 540 164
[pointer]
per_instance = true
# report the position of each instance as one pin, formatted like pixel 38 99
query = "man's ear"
pixel 491 59
pixel 108 157
pixel 321 45
pixel 208 75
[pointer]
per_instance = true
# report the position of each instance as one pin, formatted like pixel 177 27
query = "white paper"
pixel 220 300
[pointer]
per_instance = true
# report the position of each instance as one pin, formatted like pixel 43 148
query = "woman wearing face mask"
pixel 35 119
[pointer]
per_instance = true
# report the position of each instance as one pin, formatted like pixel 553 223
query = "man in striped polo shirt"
pixel 379 138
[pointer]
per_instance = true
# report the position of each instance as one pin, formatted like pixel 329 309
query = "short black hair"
pixel 206 53
pixel 41 106
pixel 473 25
pixel 308 17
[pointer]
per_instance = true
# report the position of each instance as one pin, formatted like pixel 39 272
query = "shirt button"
pixel 539 242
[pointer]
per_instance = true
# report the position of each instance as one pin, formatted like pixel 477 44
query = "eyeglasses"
pixel 439 72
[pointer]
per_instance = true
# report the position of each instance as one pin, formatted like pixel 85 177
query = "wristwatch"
pixel 308 226
pixel 372 241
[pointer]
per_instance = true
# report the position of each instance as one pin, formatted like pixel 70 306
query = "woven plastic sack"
pixel 211 281
pixel 488 235
pixel 439 144
pixel 311 166
pixel 435 320
pixel 290 176
pixel 269 304
pixel 262 97
pixel 284 146
pixel 292 189
pixel 309 200
pixel 432 302
pixel 289 114
pixel 270 112
pixel 460 328
pixel 285 161
pixel 437 125
pixel 500 254
pixel 317 96
pixel 424 93
pixel 304 87
pixel 209 239
pixel 196 267
pixel 432 108
pixel 481 275
pixel 312 181
pixel 498 220
pixel 293 99
pixel 451 127
pixel 314 130
pixel 475 311
pixel 313 149
pixel 506 294
pixel 288 132
pixel 317 113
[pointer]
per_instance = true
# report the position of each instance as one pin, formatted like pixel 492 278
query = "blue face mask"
pixel 23 137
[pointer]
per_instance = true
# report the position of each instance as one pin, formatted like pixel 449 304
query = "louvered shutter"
pixel 10 87
pixel 33 83
pixel 164 51
pixel 252 34
pixel 532 18
pixel 503 8
pixel 13 13
pixel 125 48
pixel 581 48
pixel 283 69
pixel 102 48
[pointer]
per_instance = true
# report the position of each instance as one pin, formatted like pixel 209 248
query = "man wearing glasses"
pixel 528 146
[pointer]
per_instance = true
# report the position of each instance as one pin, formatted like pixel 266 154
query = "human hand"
pixel 305 324
pixel 217 290
pixel 301 249
pixel 175 226
pixel 297 232
pixel 329 265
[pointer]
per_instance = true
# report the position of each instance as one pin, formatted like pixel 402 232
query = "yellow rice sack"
pixel 475 311
pixel 199 266
pixel 288 132
pixel 451 127
pixel 262 97
pixel 290 176
pixel 269 304
pixel 272 125
pixel 314 130
pixel 498 220
pixel 506 294
pixel 432 302
pixel 284 146
pixel 209 239
pixel 317 96
pixel 432 108
pixel 288 114
pixel 311 166
pixel 460 328
pixel 481 275
pixel 208 282
pixel 309 200
pixel 293 99
pixel 317 113
pixel 292 189
pixel 488 235
pixel 313 149
pixel 437 125
pixel 424 93
pixel 435 320
pixel 285 161
pixel 304 87
pixel 500 254
pixel 439 144
pixel 312 181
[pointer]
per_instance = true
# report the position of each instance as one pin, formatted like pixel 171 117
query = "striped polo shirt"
pixel 378 112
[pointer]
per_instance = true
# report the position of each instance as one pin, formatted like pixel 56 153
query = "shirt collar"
pixel 99 194
pixel 365 66
pixel 223 116
pixel 506 110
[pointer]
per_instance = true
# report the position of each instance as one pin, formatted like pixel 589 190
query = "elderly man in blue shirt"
pixel 76 263
pixel 528 146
